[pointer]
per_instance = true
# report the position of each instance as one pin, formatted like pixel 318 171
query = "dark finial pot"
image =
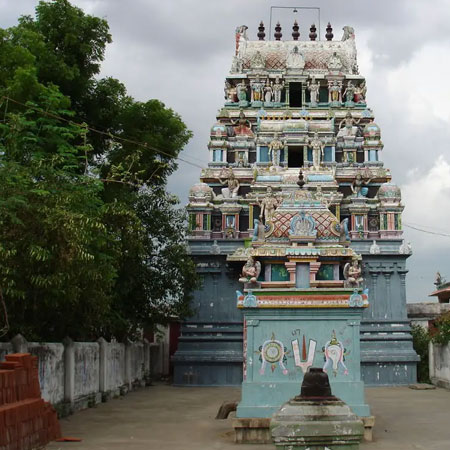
pixel 329 32
pixel 313 34
pixel 261 34
pixel 278 35
pixel 316 384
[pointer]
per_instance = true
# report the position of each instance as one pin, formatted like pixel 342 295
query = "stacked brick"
pixel 26 421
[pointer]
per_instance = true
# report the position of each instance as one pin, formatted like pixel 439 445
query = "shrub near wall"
pixel 440 351
pixel 421 341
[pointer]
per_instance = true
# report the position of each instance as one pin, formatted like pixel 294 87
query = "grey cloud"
pixel 180 52
pixel 12 10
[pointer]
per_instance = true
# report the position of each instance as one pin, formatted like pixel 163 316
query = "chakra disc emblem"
pixel 272 352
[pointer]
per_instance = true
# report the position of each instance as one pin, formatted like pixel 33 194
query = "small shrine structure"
pixel 297 219
pixel 442 291
pixel 303 301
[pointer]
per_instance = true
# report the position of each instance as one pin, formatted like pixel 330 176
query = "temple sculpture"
pixel 296 230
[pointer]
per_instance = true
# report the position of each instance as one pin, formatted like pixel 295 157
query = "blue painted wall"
pixel 210 347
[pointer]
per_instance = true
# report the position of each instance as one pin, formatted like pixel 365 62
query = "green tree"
pixel 155 275
pixel 57 258
pixel 90 242
pixel 68 45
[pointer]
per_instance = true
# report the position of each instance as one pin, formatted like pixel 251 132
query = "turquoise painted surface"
pixel 275 360
pixel 317 178
pixel 279 272
pixel 325 272
pixel 269 178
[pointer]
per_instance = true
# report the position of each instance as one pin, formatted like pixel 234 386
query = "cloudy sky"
pixel 179 51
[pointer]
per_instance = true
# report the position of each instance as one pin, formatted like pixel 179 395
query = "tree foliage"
pixel 421 340
pixel 90 242
pixel 441 329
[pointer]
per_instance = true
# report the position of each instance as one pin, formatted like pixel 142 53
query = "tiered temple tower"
pixel 296 189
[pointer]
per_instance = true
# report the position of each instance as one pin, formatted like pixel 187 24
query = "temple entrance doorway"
pixel 295 95
pixel 295 156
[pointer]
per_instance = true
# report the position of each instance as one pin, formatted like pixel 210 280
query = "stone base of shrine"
pixel 256 430
pixel 253 430
pixel 369 423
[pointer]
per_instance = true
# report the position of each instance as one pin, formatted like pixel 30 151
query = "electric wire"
pixel 427 227
pixel 425 231
pixel 150 147
pixel 114 137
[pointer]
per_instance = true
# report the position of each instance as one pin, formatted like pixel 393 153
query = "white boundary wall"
pixel 439 359
pixel 76 375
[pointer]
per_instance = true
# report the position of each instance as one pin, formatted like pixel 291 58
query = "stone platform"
pixel 257 431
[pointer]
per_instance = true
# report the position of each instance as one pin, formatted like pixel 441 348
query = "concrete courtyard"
pixel 163 417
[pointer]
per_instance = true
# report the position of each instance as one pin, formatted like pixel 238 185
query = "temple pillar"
pixel 402 275
pixel 251 224
pixel 373 294
pixel 313 269
pixel 291 268
pixel 387 277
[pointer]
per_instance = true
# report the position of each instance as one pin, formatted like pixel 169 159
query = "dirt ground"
pixel 163 417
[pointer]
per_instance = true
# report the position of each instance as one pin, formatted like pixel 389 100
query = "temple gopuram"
pixel 296 231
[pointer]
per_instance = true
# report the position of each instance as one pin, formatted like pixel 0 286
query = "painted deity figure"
pixel 259 231
pixel 344 235
pixel 317 150
pixel 241 47
pixel 255 230
pixel 360 93
pixel 334 63
pixel 268 206
pixel 335 91
pixel 241 90
pixel 277 88
pixel 314 88
pixel 232 189
pixel 352 274
pixel 215 249
pixel 349 92
pixel 374 248
pixel 349 33
pixel 243 128
pixel 230 92
pixel 241 34
pixel 257 61
pixel 236 65
pixel 303 225
pixel 257 90
pixel 268 91
pixel 358 186
pixel 295 59
pixel 405 248
pixel 250 271
pixel 275 147
pixel 438 280
pixel 349 125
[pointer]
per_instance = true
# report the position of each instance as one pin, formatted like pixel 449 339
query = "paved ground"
pixel 164 417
